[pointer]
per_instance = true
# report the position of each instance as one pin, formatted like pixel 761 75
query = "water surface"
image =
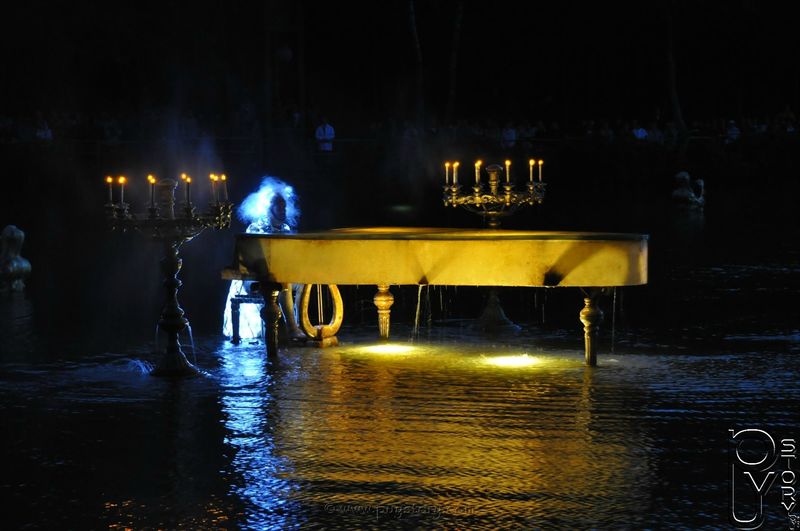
pixel 453 430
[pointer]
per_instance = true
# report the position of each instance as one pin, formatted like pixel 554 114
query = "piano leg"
pixel 383 301
pixel 591 316
pixel 271 314
pixel 236 339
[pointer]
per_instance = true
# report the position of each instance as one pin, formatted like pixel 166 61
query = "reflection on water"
pixel 439 434
pixel 444 434
pixel 455 432
pixel 247 405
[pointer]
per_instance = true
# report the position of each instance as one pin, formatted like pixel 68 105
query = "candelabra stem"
pixel 173 361
pixel 493 320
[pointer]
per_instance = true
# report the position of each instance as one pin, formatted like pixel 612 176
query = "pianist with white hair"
pixel 272 209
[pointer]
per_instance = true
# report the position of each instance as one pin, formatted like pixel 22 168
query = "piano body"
pixel 386 256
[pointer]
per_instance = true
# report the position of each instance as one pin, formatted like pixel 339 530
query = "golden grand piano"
pixel 386 256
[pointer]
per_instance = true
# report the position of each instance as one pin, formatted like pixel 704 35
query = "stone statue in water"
pixel 684 195
pixel 687 218
pixel 14 269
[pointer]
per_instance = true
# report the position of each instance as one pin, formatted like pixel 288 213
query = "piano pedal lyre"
pixel 321 335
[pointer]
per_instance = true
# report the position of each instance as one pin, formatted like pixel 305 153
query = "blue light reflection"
pixel 250 418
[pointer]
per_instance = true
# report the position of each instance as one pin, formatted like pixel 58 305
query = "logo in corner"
pixel 757 462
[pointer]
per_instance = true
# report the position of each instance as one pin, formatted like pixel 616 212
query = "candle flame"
pixel 456 164
pixel 477 164
pixel 531 162
pixel 446 164
pixel 508 163
pixel 122 180
pixel 212 176
pixel 188 179
pixel 541 162
pixel 183 176
pixel 109 179
pixel 151 179
pixel 223 177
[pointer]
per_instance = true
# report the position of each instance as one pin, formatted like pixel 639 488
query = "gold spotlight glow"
pixel 389 348
pixel 522 360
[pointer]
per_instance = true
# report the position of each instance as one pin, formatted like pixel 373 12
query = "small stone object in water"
pixel 14 269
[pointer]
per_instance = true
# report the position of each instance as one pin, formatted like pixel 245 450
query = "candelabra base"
pixel 175 365
pixel 493 320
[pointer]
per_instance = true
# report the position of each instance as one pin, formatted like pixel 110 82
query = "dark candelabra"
pixel 495 200
pixel 172 229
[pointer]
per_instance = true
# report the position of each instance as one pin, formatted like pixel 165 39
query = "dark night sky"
pixel 518 59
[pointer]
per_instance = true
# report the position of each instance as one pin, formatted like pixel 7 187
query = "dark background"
pixel 169 87
pixel 554 61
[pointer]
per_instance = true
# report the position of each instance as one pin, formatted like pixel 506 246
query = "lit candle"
pixel 455 173
pixel 152 181
pixel 508 171
pixel 530 167
pixel 213 178
pixel 224 180
pixel 110 181
pixel 122 180
pixel 541 163
pixel 188 190
pixel 446 172
pixel 478 171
